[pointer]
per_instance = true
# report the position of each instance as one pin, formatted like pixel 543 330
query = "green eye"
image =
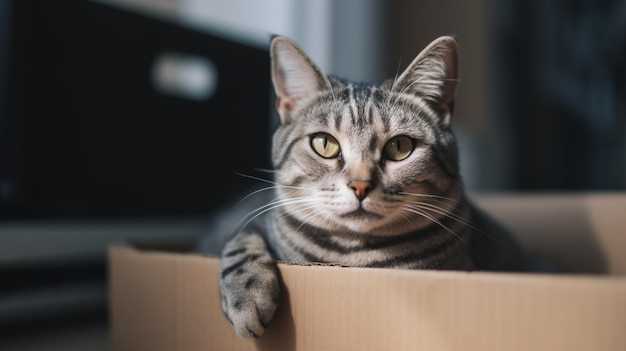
pixel 398 148
pixel 325 145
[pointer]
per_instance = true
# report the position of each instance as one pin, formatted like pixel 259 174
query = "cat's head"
pixel 371 159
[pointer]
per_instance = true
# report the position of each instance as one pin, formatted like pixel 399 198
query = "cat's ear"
pixel 295 76
pixel 433 76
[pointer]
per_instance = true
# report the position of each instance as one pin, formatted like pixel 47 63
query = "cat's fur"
pixel 383 188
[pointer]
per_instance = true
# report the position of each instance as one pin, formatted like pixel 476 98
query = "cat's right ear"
pixel 295 76
pixel 433 76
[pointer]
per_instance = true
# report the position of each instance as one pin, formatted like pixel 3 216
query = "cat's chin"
pixel 361 214
pixel 370 223
pixel 361 221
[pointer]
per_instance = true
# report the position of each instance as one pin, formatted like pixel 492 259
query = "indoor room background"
pixel 112 114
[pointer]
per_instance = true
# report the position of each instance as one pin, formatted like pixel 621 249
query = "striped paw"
pixel 249 285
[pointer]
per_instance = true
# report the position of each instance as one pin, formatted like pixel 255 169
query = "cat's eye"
pixel 325 145
pixel 398 148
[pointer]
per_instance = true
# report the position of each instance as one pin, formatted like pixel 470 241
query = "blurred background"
pixel 127 120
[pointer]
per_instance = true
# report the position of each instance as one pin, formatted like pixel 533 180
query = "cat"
pixel 365 175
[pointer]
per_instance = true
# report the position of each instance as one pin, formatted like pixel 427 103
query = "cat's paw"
pixel 249 288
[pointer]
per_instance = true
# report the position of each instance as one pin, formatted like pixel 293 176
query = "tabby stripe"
pixel 386 124
pixel 360 121
pixel 417 104
pixel 360 104
pixel 424 255
pixel 379 102
pixel 344 95
pixel 285 155
pixel 428 255
pixel 322 118
pixel 354 113
pixel 238 264
pixel 286 240
pixel 307 255
pixel 422 234
pixel 297 181
pixel 352 117
pixel 370 114
pixel 434 189
pixel 379 96
pixel 235 252
pixel 321 238
pixel 442 163
pixel 373 144
pixel 338 120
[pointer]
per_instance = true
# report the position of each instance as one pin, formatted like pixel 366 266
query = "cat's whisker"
pixel 252 215
pixel 428 195
pixel 314 212
pixel 453 216
pixel 277 203
pixel 264 170
pixel 406 218
pixel 438 222
pixel 305 203
pixel 269 188
pixel 307 217
pixel 253 177
pixel 278 185
pixel 441 199
pixel 442 211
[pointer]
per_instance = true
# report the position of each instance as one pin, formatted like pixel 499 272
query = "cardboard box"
pixel 169 300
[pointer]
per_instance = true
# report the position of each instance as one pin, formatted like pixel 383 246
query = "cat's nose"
pixel 361 188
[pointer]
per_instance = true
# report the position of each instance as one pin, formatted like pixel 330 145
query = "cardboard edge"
pixel 172 308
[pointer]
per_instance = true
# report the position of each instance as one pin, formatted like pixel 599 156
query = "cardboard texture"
pixel 169 300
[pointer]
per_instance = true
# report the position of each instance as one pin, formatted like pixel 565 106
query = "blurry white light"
pixel 185 76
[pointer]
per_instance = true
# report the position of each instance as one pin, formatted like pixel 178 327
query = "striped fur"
pixel 359 207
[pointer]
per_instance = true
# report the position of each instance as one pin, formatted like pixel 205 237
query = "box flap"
pixel 579 232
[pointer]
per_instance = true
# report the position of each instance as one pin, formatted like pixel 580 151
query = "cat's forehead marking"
pixel 360 122
pixel 368 115
pixel 358 98
pixel 354 111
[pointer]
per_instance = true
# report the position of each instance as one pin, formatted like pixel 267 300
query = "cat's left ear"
pixel 433 76
pixel 295 76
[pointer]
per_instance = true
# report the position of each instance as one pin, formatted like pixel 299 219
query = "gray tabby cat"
pixel 365 176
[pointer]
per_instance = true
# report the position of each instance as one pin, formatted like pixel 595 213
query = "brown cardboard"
pixel 169 301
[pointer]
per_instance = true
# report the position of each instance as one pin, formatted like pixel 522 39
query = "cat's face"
pixel 371 159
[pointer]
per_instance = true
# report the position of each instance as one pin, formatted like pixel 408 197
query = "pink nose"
pixel 361 188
